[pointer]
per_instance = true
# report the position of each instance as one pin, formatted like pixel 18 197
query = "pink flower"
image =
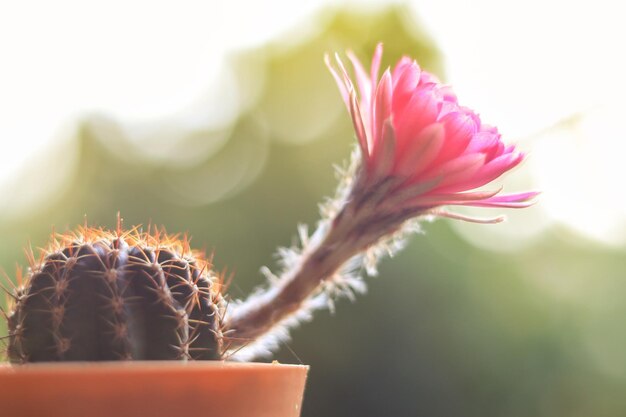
pixel 419 143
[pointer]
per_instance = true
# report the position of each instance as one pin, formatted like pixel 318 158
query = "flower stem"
pixel 320 261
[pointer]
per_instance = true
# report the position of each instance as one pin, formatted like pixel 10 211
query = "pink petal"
pixel 516 197
pixel 383 154
pixel 343 88
pixel 447 107
pixel 483 141
pixel 359 128
pixel 428 78
pixel 410 119
pixel 489 129
pixel 382 106
pixel 420 152
pixel 495 151
pixel 457 198
pixel 411 192
pixel 518 200
pixel 459 129
pixel 494 168
pixel 448 94
pixel 471 219
pixel 518 204
pixel 457 169
pixel 403 64
pixel 346 78
pixel 363 81
pixel 378 54
pixel 405 78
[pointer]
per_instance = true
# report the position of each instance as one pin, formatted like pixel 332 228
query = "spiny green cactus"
pixel 101 296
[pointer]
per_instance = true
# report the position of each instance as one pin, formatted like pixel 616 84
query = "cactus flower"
pixel 419 145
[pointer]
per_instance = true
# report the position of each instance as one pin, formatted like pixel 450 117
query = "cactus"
pixel 104 296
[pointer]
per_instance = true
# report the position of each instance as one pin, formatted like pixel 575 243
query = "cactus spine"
pixel 102 296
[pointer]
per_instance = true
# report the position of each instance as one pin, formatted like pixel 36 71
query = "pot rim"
pixel 109 367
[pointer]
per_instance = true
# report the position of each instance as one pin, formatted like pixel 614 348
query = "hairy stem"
pixel 354 228
pixel 259 315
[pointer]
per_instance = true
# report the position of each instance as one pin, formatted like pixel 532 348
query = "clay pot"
pixel 152 389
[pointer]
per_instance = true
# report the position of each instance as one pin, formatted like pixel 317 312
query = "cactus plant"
pixel 97 296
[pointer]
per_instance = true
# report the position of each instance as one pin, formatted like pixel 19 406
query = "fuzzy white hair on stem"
pixel 345 282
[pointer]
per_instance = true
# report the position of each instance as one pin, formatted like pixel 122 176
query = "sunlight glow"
pixel 142 63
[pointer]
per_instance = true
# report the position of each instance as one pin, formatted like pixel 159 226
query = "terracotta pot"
pixel 152 389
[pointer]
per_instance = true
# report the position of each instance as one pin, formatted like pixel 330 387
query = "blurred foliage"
pixel 448 329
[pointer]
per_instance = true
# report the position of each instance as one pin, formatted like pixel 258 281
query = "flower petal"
pixel 438 198
pixel 420 152
pixel 363 81
pixel 346 78
pixel 516 197
pixel 406 75
pixel 460 127
pixel 378 54
pixel 359 127
pixel 341 84
pixel 493 169
pixel 471 219
pixel 382 106
pixel 513 204
pixel 418 113
pixel 383 154
pixel 458 169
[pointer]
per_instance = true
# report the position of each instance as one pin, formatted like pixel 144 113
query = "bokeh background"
pixel 220 119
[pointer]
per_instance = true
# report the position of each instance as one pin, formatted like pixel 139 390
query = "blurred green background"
pixel 447 329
